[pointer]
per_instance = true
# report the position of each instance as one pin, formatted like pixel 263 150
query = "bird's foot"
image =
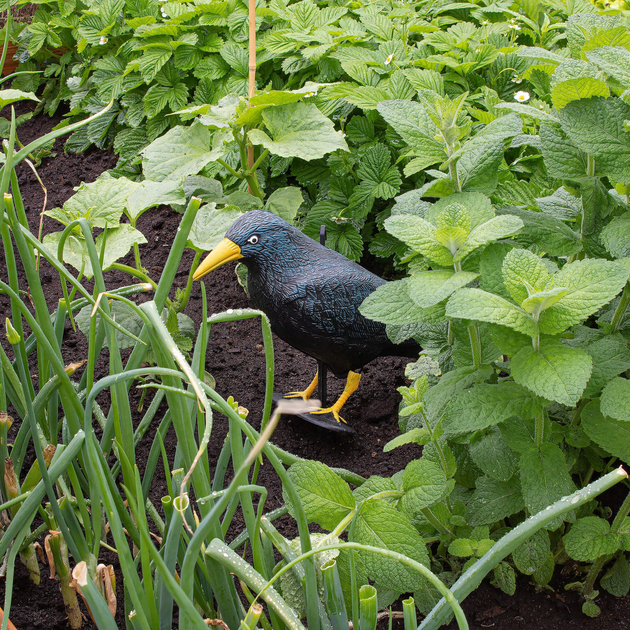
pixel 334 410
pixel 307 393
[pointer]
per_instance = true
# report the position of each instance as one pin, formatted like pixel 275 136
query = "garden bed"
pixel 236 360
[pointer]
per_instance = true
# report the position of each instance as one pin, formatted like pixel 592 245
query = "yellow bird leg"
pixel 351 386
pixel 308 392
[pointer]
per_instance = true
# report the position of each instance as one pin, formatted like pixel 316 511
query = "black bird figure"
pixel 311 295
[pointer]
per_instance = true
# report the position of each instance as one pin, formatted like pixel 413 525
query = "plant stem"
pixel 182 305
pixel 452 171
pixel 590 166
pixel 229 169
pixel 598 565
pixel 539 429
pixel 259 161
pixel 621 309
pixel 475 345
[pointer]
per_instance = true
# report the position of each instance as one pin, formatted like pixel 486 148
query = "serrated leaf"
pixel 484 405
pixel 478 168
pixel 531 555
pixel 431 287
pixel 525 273
pixel 493 455
pixel 492 230
pixel 298 130
pixel 610 434
pixel 487 307
pixel 616 236
pixel 494 500
pixel 611 357
pixel 554 371
pixel 325 497
pixel 617 579
pixel 590 284
pixel 562 157
pixel 424 484
pixel 614 60
pixel 150 194
pixel 382 525
pixel 11 96
pixel 180 152
pixel 544 479
pixel 615 400
pixel 420 235
pixel 504 578
pixel 415 436
pixel 589 538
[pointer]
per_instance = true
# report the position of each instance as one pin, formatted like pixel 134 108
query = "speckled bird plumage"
pixel 311 294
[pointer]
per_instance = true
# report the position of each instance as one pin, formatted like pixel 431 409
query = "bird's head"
pixel 257 237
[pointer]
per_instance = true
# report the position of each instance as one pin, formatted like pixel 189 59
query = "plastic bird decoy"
pixel 311 295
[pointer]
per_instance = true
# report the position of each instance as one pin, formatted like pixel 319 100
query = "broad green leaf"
pixel 617 579
pixel 415 436
pixel 615 400
pixel 411 121
pixel 611 357
pixel 504 578
pixel 298 130
pixel 379 179
pixel 494 500
pixel 123 314
pixel 182 151
pixel 538 302
pixel 590 284
pixel 285 202
pixel 382 525
pixel 478 206
pixel 430 287
pixel 392 304
pixel 610 434
pixel 487 307
pixel 562 157
pixel 544 479
pixel 575 79
pixel 462 548
pixel 420 235
pixel 453 227
pixel 100 203
pixel 546 233
pixel 520 434
pixel 525 273
pixel 493 455
pixel 424 484
pixel 500 129
pixel 374 485
pixel 554 372
pixel 508 341
pixel 596 125
pixel 478 169
pixel 150 194
pixel 531 555
pixel 616 236
pixel 561 205
pixel 325 497
pixel 484 405
pixel 11 96
pixel 491 268
pixel 210 225
pixel 492 230
pixel 614 60
pixel 589 538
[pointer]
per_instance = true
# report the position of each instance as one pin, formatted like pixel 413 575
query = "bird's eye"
pixel 253 240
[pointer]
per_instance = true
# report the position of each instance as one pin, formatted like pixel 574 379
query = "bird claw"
pixel 332 410
pixel 303 395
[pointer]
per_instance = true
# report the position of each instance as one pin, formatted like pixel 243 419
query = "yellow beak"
pixel 223 253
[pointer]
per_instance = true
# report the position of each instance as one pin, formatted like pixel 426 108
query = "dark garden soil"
pixel 236 360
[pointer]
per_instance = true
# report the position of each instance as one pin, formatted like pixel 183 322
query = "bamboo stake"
pixel 252 71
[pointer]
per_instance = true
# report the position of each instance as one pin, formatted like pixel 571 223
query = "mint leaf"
pixel 614 60
pixel 298 130
pixel 420 235
pixel 615 400
pixel 554 372
pixel 494 500
pixel 590 284
pixel 597 126
pixel 575 79
pixel 325 497
pixel 492 230
pixel 589 538
pixel 493 455
pixel 374 485
pixel 491 268
pixel 616 236
pixel 503 577
pixel 424 484
pixel 525 273
pixel 617 579
pixel 487 307
pixel 610 357
pixel 544 479
pixel 562 157
pixel 484 405
pixel 382 525
pixel 531 555
pixel 478 168
pixel 610 434
pixel 431 287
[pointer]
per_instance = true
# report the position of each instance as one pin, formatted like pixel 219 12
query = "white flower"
pixel 515 27
pixel 521 97
pixel 103 40
pixel 309 94
pixel 477 50
pixel 341 133
pixel 485 22
pixel 515 79
pixel 389 59
pixel 164 14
